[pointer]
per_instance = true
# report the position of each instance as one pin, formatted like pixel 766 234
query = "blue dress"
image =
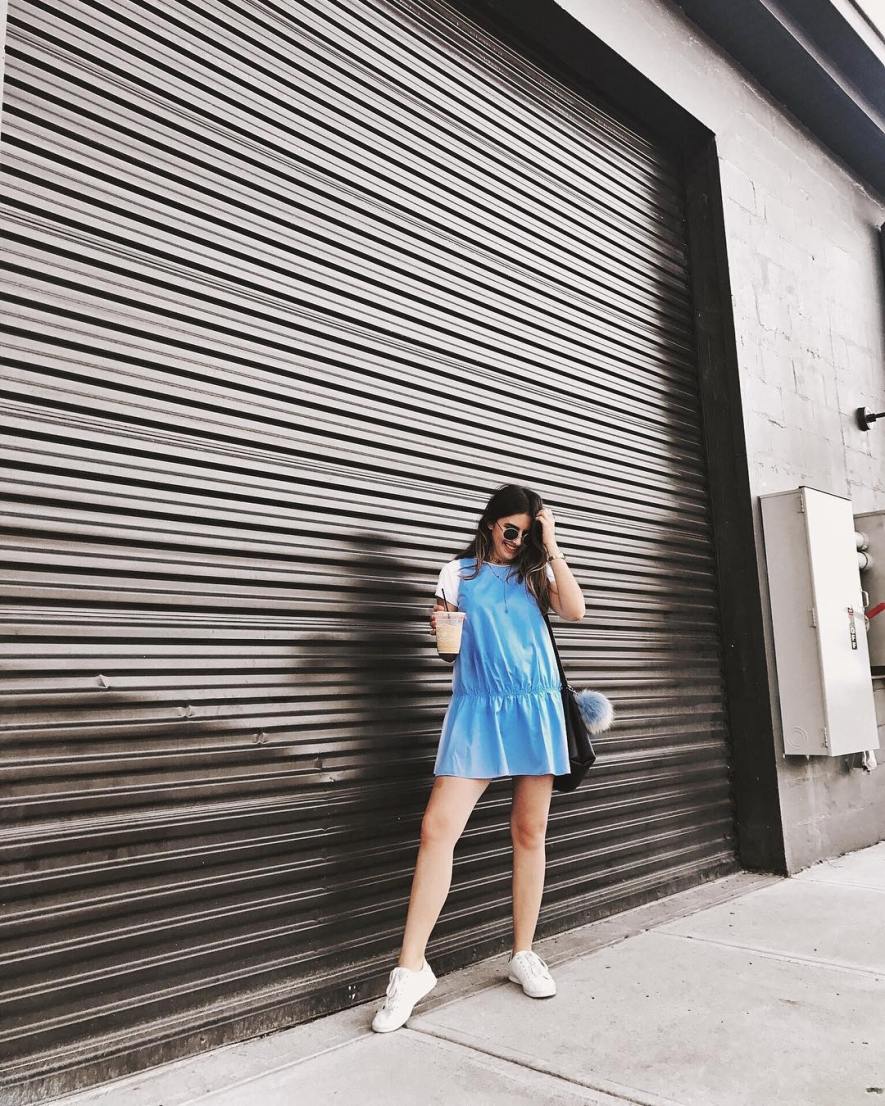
pixel 505 717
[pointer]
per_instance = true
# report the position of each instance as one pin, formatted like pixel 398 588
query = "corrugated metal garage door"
pixel 294 287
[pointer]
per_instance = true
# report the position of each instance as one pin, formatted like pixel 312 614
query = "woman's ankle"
pixel 411 963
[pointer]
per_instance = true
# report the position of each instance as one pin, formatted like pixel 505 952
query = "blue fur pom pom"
pixel 596 710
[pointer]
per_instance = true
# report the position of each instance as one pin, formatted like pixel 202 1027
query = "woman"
pixel 505 718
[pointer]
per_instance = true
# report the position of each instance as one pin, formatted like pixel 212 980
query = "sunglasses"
pixel 511 532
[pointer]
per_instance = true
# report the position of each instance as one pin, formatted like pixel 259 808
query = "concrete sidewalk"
pixel 751 990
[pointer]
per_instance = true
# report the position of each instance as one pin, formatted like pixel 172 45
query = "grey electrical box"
pixel 872 525
pixel 820 641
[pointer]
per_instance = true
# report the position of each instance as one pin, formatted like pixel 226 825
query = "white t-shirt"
pixel 450 579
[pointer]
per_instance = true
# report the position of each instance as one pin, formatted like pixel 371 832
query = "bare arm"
pixel 565 591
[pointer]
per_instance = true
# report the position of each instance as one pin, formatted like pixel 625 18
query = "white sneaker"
pixel 533 975
pixel 405 989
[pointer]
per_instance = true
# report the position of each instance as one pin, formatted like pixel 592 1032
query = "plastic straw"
pixel 443 590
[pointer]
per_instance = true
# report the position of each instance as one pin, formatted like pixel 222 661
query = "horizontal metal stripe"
pixel 347 322
pixel 500 263
pixel 604 572
pixel 314 115
pixel 240 532
pixel 344 652
pixel 324 762
pixel 217 170
pixel 63 957
pixel 323 649
pixel 190 404
pixel 163 749
pixel 274 780
pixel 221 634
pixel 131 230
pixel 269 578
pixel 107 542
pixel 471 75
pixel 655 426
pixel 100 864
pixel 343 345
pixel 407 647
pixel 354 74
pixel 664 431
pixel 500 78
pixel 153 754
pixel 592 522
pixel 95 747
pixel 609 625
pixel 229 887
pixel 232 529
pixel 422 316
pixel 222 212
pixel 122 669
pixel 199 589
pixel 42 691
pixel 155 827
pixel 670 501
pixel 69 34
pixel 295 892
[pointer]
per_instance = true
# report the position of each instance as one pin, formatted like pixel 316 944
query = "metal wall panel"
pixel 291 289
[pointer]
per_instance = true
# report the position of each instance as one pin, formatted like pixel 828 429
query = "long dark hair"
pixel 530 563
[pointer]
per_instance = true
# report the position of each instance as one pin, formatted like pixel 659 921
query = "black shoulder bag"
pixel 586 712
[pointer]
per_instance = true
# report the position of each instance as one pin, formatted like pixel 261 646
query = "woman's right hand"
pixel 439 607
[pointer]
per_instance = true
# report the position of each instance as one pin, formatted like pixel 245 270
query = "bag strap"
pixel 555 651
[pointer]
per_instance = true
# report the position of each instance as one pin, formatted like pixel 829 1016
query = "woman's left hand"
pixel 548 525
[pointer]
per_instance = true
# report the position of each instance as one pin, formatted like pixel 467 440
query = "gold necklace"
pixel 501 564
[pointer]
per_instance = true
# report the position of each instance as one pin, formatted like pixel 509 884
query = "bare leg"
pixel 528 829
pixel 448 808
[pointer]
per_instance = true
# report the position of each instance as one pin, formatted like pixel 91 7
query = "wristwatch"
pixel 555 557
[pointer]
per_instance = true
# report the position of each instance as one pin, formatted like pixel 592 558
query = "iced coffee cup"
pixel 448 633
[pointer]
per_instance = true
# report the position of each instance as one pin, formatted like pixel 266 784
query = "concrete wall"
pixel 808 301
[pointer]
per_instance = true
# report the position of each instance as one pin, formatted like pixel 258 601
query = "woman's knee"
pixel 438 828
pixel 528 832
pixel 451 803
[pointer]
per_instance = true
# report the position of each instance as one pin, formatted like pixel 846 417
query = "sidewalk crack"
pixel 773 954
pixel 614 1094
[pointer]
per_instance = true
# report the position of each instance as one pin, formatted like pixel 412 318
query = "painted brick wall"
pixel 808 302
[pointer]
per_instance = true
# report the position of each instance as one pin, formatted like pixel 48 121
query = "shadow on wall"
pixel 391 688
pixel 385 701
